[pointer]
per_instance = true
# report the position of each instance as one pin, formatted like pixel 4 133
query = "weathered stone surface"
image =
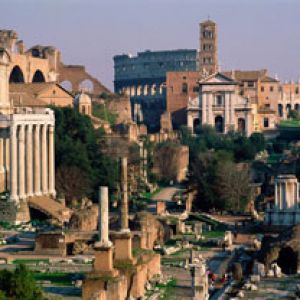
pixel 85 219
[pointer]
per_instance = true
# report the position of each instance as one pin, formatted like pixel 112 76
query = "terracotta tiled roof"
pixel 246 75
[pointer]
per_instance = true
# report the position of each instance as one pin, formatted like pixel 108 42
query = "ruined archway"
pixel 86 85
pixel 219 124
pixel 288 260
pixel 38 77
pixel 67 85
pixel 16 75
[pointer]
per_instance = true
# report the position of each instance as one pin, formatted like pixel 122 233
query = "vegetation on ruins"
pixel 80 165
pixel 219 169
pixel 102 112
pixel 19 284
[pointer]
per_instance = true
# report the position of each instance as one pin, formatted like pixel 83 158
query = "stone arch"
pixel 161 88
pixel 139 90
pixel 288 260
pixel 132 91
pixel 153 89
pixel 297 107
pixel 38 76
pixel 16 75
pixel 67 85
pixel 219 124
pixel 145 92
pixel 196 124
pixel 241 125
pixel 86 85
pixel 280 110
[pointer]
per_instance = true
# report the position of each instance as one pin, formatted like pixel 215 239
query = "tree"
pixel 234 185
pixel 80 165
pixel 294 114
pixel 19 284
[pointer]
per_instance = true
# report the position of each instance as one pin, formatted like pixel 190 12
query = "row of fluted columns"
pixel 32 160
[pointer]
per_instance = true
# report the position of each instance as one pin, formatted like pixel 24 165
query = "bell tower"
pixel 208 57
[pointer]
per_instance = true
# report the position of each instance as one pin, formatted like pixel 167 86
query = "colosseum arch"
pixel 16 75
pixel 67 85
pixel 38 76
pixel 86 85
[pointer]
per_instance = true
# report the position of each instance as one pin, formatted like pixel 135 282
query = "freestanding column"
pixel 29 168
pixel 124 195
pixel 13 160
pixel 104 241
pixel 2 169
pixel 44 160
pixel 51 162
pixel 37 161
pixel 21 161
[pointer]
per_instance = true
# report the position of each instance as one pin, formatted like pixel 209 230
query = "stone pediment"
pixel 217 78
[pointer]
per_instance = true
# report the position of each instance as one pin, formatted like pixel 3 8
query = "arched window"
pixel 297 107
pixel 16 75
pixel 145 90
pixel 184 88
pixel 219 124
pixel 288 108
pixel 38 76
pixel 153 89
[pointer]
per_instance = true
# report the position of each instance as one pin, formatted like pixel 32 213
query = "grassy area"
pixel 180 252
pixel 57 278
pixel 30 261
pixel 289 123
pixel 214 234
pixel 149 195
pixel 167 290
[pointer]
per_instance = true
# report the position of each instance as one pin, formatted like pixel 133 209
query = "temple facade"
pixel 286 208
pixel 26 150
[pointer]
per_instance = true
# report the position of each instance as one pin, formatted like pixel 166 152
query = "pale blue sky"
pixel 252 33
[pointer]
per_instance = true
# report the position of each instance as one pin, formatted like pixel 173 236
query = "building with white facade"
pixel 220 105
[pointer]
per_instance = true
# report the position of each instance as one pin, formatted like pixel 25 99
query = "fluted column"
pixel 51 162
pixel 29 167
pixel 21 162
pixel 44 160
pixel 37 161
pixel 13 160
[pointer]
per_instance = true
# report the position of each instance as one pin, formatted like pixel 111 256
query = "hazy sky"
pixel 252 33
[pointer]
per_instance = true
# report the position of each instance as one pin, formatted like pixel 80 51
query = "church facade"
pixel 220 105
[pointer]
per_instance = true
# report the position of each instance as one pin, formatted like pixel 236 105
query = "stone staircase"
pixel 50 207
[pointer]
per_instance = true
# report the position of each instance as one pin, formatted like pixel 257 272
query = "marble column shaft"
pixel 21 162
pixel 37 161
pixel 103 217
pixel 29 167
pixel 44 159
pixel 51 162
pixel 14 168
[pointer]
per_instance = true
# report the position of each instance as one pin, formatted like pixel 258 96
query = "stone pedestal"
pixel 123 246
pixel 103 264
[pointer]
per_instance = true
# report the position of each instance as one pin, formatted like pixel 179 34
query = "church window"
pixel 196 89
pixel 297 90
pixel 271 88
pixel 262 89
pixel 219 100
pixel 251 84
pixel 184 88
